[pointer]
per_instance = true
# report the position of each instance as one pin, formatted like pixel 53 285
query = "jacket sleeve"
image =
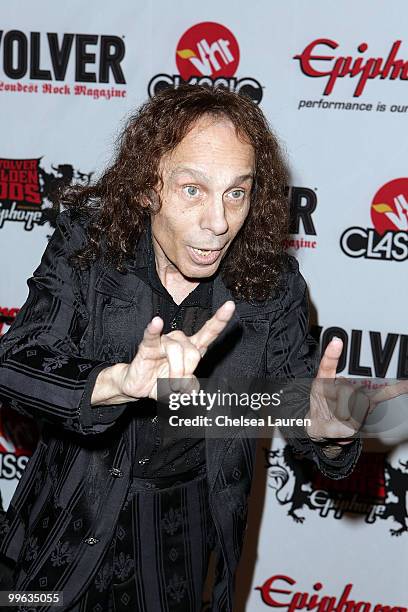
pixel 42 374
pixel 294 355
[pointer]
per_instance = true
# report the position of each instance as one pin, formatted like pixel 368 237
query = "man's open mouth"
pixel 205 251
pixel 204 256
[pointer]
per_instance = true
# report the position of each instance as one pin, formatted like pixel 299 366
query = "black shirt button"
pixel 143 460
pixel 91 541
pixel 116 472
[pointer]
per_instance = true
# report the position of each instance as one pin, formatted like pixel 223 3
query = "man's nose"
pixel 213 216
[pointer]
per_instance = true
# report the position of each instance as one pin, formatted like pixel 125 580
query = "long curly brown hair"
pixel 119 199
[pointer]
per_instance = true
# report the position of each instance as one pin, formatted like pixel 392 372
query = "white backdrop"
pixel 348 165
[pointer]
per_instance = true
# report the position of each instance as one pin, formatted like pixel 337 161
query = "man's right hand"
pixel 171 356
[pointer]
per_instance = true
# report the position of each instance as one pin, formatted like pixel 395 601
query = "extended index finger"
pixel 213 327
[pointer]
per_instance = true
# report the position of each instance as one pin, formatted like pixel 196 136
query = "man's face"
pixel 207 181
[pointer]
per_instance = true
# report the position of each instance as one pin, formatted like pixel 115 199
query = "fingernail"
pixel 336 338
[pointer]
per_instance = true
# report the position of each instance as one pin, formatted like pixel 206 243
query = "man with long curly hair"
pixel 170 266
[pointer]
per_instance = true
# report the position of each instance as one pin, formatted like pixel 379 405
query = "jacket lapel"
pixel 129 289
pixel 246 334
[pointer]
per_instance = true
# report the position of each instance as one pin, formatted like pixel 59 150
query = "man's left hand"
pixel 338 408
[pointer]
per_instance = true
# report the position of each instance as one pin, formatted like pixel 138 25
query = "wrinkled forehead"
pixel 211 143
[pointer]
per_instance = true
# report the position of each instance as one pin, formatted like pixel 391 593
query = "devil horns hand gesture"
pixel 172 356
pixel 337 409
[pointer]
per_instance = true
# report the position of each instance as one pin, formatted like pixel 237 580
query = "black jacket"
pixel 73 324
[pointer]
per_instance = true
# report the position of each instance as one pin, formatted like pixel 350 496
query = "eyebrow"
pixel 197 173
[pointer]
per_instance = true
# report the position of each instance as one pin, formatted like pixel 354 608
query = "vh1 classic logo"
pixel 388 240
pixel 208 54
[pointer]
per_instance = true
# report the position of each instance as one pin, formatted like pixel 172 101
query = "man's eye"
pixel 190 190
pixel 236 194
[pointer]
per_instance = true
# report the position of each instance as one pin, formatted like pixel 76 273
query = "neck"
pixel 171 278
pixel 176 284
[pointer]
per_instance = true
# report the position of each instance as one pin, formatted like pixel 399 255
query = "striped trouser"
pixel 158 558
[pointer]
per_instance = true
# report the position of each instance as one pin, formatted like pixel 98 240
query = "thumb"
pixel 330 359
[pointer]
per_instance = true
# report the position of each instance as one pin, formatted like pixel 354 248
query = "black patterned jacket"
pixel 75 323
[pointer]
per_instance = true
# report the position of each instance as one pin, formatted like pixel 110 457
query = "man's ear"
pixel 150 200
pixel 144 201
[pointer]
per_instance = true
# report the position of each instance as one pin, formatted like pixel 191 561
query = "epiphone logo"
pixel 316 61
pixel 274 594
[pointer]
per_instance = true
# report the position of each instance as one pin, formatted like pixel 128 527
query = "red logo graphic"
pixel 389 208
pixel 276 593
pixel 207 49
pixel 368 491
pixel 7 316
pixel 317 61
pixel 30 194
pixel 18 433
pixel 388 239
pixel 20 182
pixel 18 439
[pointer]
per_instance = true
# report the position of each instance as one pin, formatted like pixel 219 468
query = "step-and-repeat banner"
pixel 332 79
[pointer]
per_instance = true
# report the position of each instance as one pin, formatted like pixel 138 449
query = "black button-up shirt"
pixel 162 455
